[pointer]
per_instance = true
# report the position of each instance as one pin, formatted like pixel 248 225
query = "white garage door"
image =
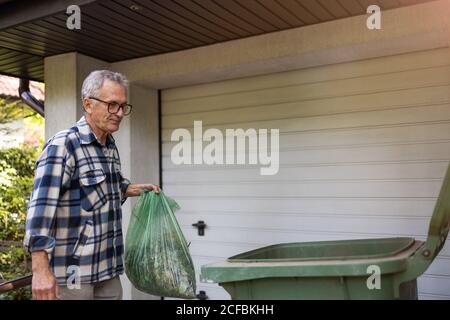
pixel 363 150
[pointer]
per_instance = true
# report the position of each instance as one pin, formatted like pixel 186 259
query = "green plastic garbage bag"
pixel 157 259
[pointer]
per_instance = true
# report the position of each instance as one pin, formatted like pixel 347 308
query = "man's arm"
pixel 39 240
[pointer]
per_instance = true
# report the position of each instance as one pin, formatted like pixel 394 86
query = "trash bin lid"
pixel 326 250
pixel 440 220
pixel 392 259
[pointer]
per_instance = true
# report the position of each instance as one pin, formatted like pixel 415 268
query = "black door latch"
pixel 202 295
pixel 200 225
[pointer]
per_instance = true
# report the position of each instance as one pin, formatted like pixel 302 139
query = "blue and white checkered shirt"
pixel 74 213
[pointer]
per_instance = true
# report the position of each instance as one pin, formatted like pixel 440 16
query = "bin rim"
pixel 226 271
pixel 403 243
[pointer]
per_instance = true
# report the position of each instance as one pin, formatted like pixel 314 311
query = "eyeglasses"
pixel 114 107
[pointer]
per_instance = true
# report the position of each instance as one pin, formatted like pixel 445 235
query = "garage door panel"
pixel 425 296
pixel 434 284
pixel 218 226
pixel 367 154
pixel 376 189
pixel 313 107
pixel 418 132
pixel 230 206
pixel 436 113
pixel 354 137
pixel 436 76
pixel 440 266
pixel 313 173
pixel 220 250
pixel 404 62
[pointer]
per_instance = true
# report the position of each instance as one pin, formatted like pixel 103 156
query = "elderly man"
pixel 73 227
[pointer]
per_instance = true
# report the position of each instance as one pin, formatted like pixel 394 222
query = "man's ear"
pixel 87 105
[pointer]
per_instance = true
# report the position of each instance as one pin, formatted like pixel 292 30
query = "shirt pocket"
pixel 92 193
pixel 82 239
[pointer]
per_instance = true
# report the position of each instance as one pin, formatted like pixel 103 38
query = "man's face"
pixel 110 92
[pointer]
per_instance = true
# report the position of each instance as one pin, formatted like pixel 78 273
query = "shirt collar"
pixel 87 135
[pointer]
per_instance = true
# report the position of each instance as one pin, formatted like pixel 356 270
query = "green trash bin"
pixel 384 268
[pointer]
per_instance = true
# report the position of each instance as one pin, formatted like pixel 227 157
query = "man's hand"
pixel 43 284
pixel 135 190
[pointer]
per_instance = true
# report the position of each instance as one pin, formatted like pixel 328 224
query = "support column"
pixel 64 75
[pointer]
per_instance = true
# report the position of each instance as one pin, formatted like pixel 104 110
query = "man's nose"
pixel 120 113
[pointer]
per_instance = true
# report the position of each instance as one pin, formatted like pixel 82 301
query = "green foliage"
pixel 12 110
pixel 16 182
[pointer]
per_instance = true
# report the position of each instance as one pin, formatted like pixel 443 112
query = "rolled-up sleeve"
pixel 124 183
pixel 41 213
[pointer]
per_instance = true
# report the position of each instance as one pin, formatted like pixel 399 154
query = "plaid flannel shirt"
pixel 74 213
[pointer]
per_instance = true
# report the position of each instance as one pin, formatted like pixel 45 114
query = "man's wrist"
pixel 39 262
pixel 129 190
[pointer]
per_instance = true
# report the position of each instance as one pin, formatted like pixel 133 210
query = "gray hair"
pixel 94 81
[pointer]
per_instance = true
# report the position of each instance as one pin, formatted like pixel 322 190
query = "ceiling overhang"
pixel 118 30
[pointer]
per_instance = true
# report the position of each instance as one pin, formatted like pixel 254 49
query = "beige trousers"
pixel 105 290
